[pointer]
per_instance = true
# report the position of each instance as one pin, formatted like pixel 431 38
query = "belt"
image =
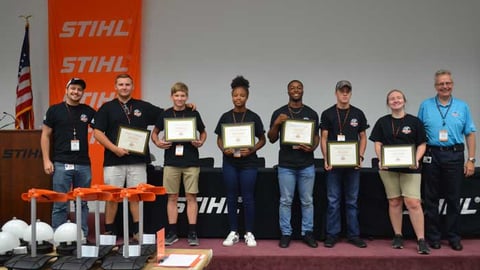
pixel 453 148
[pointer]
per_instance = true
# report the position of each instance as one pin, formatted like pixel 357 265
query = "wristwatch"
pixel 472 159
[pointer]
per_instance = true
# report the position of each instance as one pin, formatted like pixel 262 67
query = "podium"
pixel 21 168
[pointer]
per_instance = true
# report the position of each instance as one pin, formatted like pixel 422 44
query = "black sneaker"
pixel 309 239
pixel 356 241
pixel 330 241
pixel 422 247
pixel 284 241
pixel 397 241
pixel 193 239
pixel 171 238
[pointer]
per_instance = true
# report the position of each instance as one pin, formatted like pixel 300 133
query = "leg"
pixel 452 181
pixel 333 199
pixel 306 180
pixel 190 182
pixel 351 186
pixel 83 178
pixel 431 174
pixel 115 176
pixel 416 216
pixel 230 178
pixel 172 208
pixel 395 211
pixel 62 182
pixel 248 178
pixel 287 183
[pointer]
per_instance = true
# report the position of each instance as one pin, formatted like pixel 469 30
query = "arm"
pixel 103 140
pixel 160 143
pixel 45 145
pixel 378 152
pixel 248 151
pixel 203 137
pixel 362 146
pixel 419 153
pixel 470 166
pixel 323 148
pixel 274 131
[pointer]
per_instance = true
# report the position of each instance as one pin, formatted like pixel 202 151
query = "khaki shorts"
pixel 401 184
pixel 125 175
pixel 172 176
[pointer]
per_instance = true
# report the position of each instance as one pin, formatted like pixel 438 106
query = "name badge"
pixel 69 167
pixel 340 138
pixel 179 150
pixel 443 135
pixel 75 145
pixel 236 153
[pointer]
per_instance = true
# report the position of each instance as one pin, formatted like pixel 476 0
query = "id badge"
pixel 75 145
pixel 443 135
pixel 69 167
pixel 179 150
pixel 340 138
pixel 236 153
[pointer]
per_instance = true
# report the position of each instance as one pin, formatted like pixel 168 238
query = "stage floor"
pixel 378 255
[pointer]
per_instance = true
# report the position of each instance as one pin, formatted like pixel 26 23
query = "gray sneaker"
pixel 193 239
pixel 170 239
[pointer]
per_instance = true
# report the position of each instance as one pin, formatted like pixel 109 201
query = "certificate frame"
pixel 398 156
pixel 135 140
pixel 238 135
pixel 180 129
pixel 343 154
pixel 295 132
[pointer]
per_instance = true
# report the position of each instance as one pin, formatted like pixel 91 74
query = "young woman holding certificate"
pixel 236 131
pixel 402 182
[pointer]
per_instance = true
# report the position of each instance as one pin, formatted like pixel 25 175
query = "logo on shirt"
pixel 455 114
pixel 354 122
pixel 137 113
pixel 406 130
pixel 83 118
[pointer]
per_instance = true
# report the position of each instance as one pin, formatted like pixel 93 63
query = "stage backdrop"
pixel 94 40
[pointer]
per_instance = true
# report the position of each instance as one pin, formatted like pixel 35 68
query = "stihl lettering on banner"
pixel 105 28
pixel 78 64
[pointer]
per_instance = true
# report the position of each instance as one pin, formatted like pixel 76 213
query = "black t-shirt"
pixel 349 122
pixel 287 156
pixel 243 117
pixel 393 131
pixel 190 152
pixel 140 114
pixel 64 119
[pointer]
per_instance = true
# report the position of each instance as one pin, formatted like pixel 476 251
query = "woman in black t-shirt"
pixel 240 163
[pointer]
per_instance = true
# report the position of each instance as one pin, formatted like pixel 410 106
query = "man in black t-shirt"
pixel 343 122
pixel 181 161
pixel 66 126
pixel 295 165
pixel 120 167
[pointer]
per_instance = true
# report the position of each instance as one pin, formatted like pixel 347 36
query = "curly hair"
pixel 240 81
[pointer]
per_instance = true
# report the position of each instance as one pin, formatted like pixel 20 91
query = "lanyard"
pixel 340 124
pixel 235 120
pixel 70 118
pixel 292 112
pixel 395 131
pixel 175 115
pixel 126 110
pixel 440 111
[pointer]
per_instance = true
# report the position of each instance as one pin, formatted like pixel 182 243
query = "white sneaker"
pixel 250 240
pixel 231 239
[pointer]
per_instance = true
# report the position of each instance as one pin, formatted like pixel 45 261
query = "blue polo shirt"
pixel 454 117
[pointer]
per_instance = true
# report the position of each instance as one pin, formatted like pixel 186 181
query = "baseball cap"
pixel 77 81
pixel 343 83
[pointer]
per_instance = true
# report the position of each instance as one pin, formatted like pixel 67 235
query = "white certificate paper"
pixel 398 156
pixel 238 135
pixel 298 132
pixel 343 154
pixel 133 139
pixel 180 129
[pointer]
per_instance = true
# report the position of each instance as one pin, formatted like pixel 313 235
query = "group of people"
pixel 440 133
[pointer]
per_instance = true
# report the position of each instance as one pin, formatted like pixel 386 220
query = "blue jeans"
pixel 288 179
pixel 64 181
pixel 244 179
pixel 349 179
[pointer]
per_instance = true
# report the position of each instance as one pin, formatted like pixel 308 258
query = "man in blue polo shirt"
pixel 448 124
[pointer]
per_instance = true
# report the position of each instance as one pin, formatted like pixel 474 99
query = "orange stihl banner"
pixel 94 40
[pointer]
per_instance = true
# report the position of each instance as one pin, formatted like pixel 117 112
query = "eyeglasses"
pixel 126 109
pixel 444 84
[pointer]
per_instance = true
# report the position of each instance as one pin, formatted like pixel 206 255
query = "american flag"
pixel 24 106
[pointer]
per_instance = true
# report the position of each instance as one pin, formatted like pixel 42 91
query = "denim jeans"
pixel 344 181
pixel 64 181
pixel 244 179
pixel 288 179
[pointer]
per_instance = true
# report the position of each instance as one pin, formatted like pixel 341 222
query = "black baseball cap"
pixel 77 81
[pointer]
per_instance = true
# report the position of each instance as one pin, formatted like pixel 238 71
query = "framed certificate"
pixel 343 154
pixel 238 135
pixel 180 129
pixel 297 132
pixel 398 156
pixel 134 140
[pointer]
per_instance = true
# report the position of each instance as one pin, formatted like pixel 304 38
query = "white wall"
pixel 376 44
